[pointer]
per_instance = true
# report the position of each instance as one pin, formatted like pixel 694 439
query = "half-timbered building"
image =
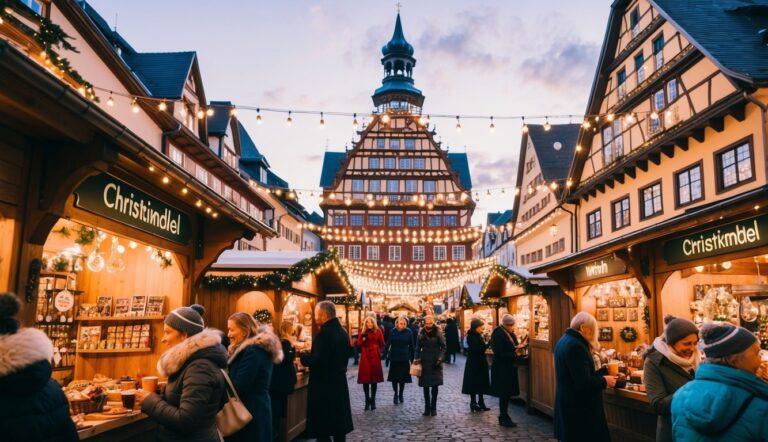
pixel 397 196
pixel 669 180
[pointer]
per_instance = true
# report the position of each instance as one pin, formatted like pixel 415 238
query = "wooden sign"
pixel 599 268
pixel 728 238
pixel 111 198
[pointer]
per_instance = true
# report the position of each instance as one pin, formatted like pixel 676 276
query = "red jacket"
pixel 371 344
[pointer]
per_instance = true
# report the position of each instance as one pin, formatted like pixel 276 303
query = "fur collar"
pixel 23 348
pixel 264 339
pixel 174 358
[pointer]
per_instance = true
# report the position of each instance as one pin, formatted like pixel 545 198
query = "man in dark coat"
pixel 452 342
pixel 329 413
pixel 579 413
pixel 387 324
pixel 414 326
pixel 504 382
pixel 32 405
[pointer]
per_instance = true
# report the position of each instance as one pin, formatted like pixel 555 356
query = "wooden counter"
pixel 296 416
pixel 629 415
pixel 136 427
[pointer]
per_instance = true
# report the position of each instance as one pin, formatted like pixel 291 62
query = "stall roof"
pixel 540 279
pixel 254 259
pixel 473 290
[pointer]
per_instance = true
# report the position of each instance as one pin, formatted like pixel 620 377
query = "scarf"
pixel 689 365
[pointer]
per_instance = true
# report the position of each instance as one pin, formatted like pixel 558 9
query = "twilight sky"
pixel 502 57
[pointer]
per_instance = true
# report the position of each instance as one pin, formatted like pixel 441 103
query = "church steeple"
pixel 397 91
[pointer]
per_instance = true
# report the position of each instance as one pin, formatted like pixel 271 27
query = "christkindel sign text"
pixel 741 235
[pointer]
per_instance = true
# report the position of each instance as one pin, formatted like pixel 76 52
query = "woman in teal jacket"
pixel 726 401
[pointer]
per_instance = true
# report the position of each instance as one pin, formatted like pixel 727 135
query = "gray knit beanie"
pixel 676 329
pixel 476 322
pixel 187 320
pixel 507 320
pixel 723 339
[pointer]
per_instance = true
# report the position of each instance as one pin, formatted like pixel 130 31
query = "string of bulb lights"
pixel 587 120
pixel 413 288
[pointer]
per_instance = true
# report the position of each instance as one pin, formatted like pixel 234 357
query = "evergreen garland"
pixel 280 278
pixel 507 275
pixel 50 36
pixel 350 301
pixel 628 334
pixel 263 316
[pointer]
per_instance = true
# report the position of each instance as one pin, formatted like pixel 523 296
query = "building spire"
pixel 397 86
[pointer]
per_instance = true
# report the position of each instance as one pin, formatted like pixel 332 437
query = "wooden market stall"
pixel 542 312
pixel 277 287
pixel 471 305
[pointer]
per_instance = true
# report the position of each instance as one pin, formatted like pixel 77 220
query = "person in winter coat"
pixel 399 351
pixel 670 363
pixel 196 388
pixel 413 324
pixel 283 378
pixel 329 413
pixel 370 373
pixel 579 412
pixel 452 341
pixel 32 405
pixel 504 382
pixel 253 351
pixel 430 349
pixel 476 369
pixel 726 401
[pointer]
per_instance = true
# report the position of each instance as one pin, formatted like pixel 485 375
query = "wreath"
pixel 628 334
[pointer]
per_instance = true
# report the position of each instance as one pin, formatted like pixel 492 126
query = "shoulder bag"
pixel 233 417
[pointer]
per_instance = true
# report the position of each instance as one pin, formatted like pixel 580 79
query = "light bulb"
pixel 422 121
pixel 610 117
pixel 492 127
pixel 135 106
pixel 586 124
pixel 654 115
pixel 726 265
pixel 110 101
pixel 200 114
pixel 209 112
pixel 162 106
pixel 233 112
pixel 547 126
pixel 355 124
pixel 132 245
pixel 258 116
pixel 322 121
pixel 289 120
pixel 385 118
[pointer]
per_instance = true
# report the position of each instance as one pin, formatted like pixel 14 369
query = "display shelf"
pixel 119 318
pixel 74 292
pixel 120 350
pixel 63 368
pixel 49 273
pixel 54 323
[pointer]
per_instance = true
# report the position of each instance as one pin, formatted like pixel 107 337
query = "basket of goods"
pixel 89 400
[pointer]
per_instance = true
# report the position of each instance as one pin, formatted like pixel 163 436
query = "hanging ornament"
pixel 116 263
pixel 95 261
pixel 749 311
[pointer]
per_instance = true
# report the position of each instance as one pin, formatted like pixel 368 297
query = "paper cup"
pixel 149 383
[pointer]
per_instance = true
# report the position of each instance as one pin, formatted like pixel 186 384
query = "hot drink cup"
pixel 149 383
pixel 129 398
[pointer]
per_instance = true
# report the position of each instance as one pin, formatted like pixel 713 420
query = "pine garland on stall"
pixel 281 278
pixel 263 316
pixel 507 275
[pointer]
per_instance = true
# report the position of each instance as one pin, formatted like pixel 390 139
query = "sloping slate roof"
pixel 316 218
pixel 460 165
pixel 248 149
pixel 112 36
pixel 726 30
pixel 333 160
pixel 163 73
pixel 554 164
pixel 501 218
pixel 331 164
pixel 219 122
pixel 491 217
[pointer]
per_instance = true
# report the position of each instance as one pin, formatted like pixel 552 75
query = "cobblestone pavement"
pixel 453 422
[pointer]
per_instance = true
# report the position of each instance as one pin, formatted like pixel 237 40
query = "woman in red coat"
pixel 371 342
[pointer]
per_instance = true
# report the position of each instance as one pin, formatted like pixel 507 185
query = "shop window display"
pixel 298 310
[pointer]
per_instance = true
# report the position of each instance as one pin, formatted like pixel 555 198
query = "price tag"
pixel 64 301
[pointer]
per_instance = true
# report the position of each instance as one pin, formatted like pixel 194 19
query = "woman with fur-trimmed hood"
pixel 32 405
pixel 196 390
pixel 253 351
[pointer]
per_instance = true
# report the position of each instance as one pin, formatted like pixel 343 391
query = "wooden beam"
pixel 717 123
pixel 698 135
pixel 668 150
pixel 600 188
pixel 609 182
pixel 643 165
pixel 655 158
pixel 630 171
pixel 619 177
pixel 739 112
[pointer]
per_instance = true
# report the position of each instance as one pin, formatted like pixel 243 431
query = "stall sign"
pixel 728 238
pixel 599 268
pixel 109 197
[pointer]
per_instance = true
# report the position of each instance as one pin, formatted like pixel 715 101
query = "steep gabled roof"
pixel 725 30
pixel 248 149
pixel 163 73
pixel 459 163
pixel 316 219
pixel 219 122
pixel 332 162
pixel 501 218
pixel 554 163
